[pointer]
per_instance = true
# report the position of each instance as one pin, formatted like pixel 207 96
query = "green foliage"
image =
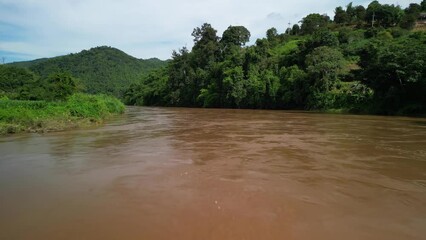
pixel 408 21
pixel 285 48
pixel 151 91
pixel 313 22
pixel 18 115
pixel 12 79
pixel 256 88
pixel 233 84
pixel 324 37
pixel 235 35
pixel 295 87
pixel 349 36
pixel 93 106
pixel 206 45
pixel 340 16
pixel 61 85
pixel 324 64
pixel 295 30
pixel 366 60
pixel 271 34
pixel 383 15
pixel 395 71
pixel 350 96
pixel 100 69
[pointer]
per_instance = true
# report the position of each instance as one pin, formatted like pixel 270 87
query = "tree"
pixel 313 22
pixel 324 37
pixel 235 35
pixel 371 12
pixel 350 11
pixel 295 29
pixel 409 19
pixel 206 45
pixel 383 15
pixel 390 15
pixel 256 88
pixel 234 86
pixel 204 34
pixel 324 64
pixel 340 16
pixel 61 85
pixel 272 86
pixel 12 78
pixel 395 71
pixel 271 34
pixel 423 5
pixel 180 77
pixel 413 8
pixel 294 86
pixel 321 37
pixel 360 13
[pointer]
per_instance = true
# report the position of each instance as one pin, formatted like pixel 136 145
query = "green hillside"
pixel 364 60
pixel 100 70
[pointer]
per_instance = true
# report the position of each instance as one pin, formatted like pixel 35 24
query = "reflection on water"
pixel 160 173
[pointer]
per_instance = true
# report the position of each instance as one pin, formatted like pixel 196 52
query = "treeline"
pixel 22 84
pixel 364 60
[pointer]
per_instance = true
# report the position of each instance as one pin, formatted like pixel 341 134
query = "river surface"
pixel 171 173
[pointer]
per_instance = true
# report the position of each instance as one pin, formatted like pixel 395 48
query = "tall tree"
pixel 360 13
pixel 371 12
pixel 324 64
pixel 180 76
pixel 340 16
pixel 313 22
pixel 271 34
pixel 206 45
pixel 235 35
pixel 395 71
pixel 61 85
pixel 295 29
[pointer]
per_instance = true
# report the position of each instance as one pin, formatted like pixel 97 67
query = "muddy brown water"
pixel 170 173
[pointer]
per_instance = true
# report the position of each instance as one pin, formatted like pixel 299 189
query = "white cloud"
pixel 143 28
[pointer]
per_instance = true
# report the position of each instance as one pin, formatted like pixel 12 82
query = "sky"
pixel 31 29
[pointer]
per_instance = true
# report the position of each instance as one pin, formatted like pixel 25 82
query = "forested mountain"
pixel 100 69
pixel 365 59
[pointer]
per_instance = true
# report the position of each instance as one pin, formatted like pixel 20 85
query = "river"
pixel 176 173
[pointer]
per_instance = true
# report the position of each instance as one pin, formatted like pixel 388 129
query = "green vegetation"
pixel 79 109
pixel 29 102
pixel 45 94
pixel 365 60
pixel 101 69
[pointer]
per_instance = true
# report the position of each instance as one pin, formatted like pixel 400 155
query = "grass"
pixel 41 116
pixel 286 48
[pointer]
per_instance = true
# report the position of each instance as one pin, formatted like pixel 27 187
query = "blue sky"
pixel 31 29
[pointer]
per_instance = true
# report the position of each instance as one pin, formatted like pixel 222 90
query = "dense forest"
pixel 366 60
pixel 98 70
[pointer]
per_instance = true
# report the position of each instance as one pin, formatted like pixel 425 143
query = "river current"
pixel 176 173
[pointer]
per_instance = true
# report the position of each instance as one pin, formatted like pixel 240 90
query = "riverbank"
pixel 42 116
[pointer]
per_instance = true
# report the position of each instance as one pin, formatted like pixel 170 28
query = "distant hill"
pixel 100 69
